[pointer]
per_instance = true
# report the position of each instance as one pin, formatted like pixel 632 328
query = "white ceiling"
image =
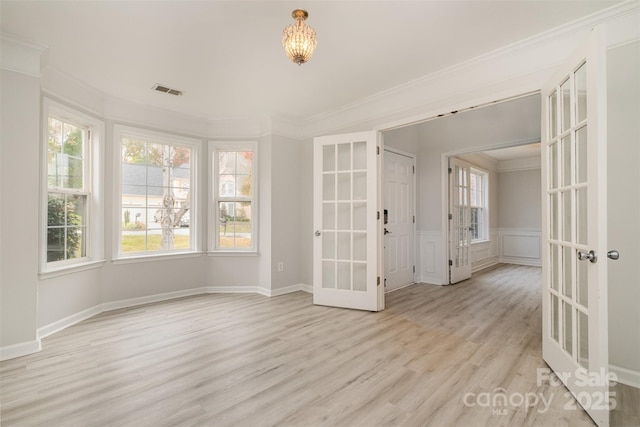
pixel 227 56
pixel 512 153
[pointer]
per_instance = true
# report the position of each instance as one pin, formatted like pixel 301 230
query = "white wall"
pixel 623 158
pixel 305 160
pixel 519 207
pixel 20 187
pixel 285 213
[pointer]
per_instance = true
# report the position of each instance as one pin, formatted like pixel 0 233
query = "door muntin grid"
pixel 567 195
pixel 344 216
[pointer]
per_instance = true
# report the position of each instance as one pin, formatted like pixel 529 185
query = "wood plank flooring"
pixel 248 360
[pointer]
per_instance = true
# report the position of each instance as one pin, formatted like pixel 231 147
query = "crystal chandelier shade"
pixel 298 39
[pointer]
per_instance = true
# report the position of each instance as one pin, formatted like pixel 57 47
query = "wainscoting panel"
pixel 485 254
pixel 429 257
pixel 520 246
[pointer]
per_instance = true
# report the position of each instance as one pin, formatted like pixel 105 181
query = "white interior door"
pixel 459 220
pixel 346 222
pixel 574 303
pixel 398 220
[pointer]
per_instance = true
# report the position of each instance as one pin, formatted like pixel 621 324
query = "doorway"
pixel 494 211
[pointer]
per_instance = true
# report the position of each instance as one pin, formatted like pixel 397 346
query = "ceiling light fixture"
pixel 299 40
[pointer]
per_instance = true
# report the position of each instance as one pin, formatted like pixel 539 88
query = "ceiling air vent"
pixel 168 90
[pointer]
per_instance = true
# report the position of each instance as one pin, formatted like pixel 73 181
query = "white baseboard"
pixel 532 262
pixel 132 302
pixel 235 290
pixel 61 324
pixel 485 263
pixel 286 290
pixel 626 376
pixel 306 288
pixel 20 349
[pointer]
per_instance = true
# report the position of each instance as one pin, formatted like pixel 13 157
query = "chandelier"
pixel 299 40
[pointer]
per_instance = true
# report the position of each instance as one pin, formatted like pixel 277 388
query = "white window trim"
pixel 485 202
pixel 214 147
pixel 94 178
pixel 120 131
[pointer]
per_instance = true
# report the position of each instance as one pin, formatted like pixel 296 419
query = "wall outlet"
pixel 281 266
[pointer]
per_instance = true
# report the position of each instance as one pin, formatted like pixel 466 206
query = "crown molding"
pixel 521 66
pixel 521 164
pixel 22 56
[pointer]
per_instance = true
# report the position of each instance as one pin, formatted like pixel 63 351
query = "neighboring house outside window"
pixel 234 203
pixel 156 193
pixel 479 182
pixel 73 200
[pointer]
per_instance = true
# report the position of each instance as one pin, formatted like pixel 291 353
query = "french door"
pixel 459 220
pixel 574 148
pixel 346 222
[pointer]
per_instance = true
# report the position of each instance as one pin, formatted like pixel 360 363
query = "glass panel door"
pixel 574 289
pixel 459 220
pixel 345 217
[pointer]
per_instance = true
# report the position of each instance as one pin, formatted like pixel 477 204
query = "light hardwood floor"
pixel 248 360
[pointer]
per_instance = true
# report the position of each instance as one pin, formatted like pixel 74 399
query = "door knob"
pixel 387 231
pixel 317 233
pixel 591 256
pixel 613 254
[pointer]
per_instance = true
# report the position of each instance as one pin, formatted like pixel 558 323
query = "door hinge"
pixel 414 169
pixel 378 150
pixel 378 215
pixel 414 269
pixel 414 219
pixel 450 216
pixel 449 170
pixel 450 263
pixel 378 280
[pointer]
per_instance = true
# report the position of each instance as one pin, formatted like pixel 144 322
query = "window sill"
pixel 155 257
pixel 70 269
pixel 233 253
pixel 478 242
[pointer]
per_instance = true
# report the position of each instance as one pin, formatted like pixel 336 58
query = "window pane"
pixel 567 314
pixel 565 90
pixel 65 155
pixel 581 93
pixel 55 244
pixel 56 212
pixel 567 277
pixel 553 114
pixel 66 224
pixel 581 155
pixel 227 162
pixel 234 225
pixel 583 339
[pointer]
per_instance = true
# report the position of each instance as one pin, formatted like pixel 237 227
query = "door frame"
pixel 413 157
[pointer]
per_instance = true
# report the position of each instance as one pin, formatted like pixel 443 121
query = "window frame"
pixel 93 189
pixel 483 235
pixel 213 198
pixel 122 131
